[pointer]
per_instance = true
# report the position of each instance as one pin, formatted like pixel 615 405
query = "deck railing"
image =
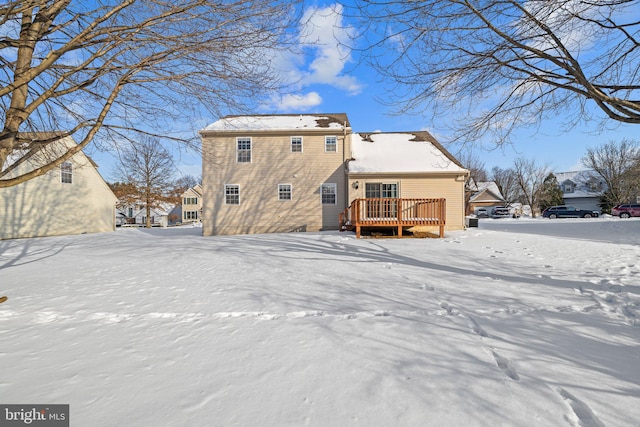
pixel 394 212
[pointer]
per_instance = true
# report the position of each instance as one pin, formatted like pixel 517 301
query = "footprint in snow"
pixel 476 328
pixel 505 366
pixel 582 411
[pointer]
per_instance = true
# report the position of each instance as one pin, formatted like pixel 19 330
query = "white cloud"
pixel 299 102
pixel 321 59
pixel 325 37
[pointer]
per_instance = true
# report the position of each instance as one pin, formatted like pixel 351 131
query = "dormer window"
pixel 568 187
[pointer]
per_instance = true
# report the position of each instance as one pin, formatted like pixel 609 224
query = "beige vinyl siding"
pixel 193 208
pixel 44 206
pixel 272 163
pixel 447 186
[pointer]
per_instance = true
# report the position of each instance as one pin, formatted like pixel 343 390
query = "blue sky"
pixel 330 79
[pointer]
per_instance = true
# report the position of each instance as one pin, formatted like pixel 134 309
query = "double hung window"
pixel 328 193
pixel 231 194
pixel 244 150
pixel 66 173
pixel 296 144
pixel 330 144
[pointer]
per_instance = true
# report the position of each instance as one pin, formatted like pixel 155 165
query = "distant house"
pixel 192 204
pixel 484 194
pixel 70 199
pixel 280 173
pixel 582 189
pixel 135 214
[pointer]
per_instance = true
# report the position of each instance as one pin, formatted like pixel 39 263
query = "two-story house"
pixel 582 189
pixel 192 204
pixel 280 173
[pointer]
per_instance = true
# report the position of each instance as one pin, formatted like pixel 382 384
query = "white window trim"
pixel 239 194
pixel 301 144
pixel 335 192
pixel 325 144
pixel 190 215
pixel 250 149
pixel 290 192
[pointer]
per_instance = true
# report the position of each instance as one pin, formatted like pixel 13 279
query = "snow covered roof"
pixel 280 122
pixel 412 152
pixel 484 187
pixel 587 183
pixel 196 189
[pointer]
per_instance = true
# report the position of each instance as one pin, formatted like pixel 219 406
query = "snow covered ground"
pixel 515 323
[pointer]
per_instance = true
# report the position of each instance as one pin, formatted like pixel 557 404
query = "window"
pixel 190 201
pixel 244 150
pixel 328 194
pixel 231 194
pixel 568 188
pixel 296 144
pixel 66 173
pixel 284 191
pixel 594 185
pixel 330 144
pixel 190 215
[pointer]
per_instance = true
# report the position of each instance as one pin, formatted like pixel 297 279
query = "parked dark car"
pixel 626 211
pixel 568 212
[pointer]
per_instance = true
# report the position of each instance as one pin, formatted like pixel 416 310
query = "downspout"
pixel 345 165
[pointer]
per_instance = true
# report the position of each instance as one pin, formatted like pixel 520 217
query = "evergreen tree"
pixel 550 193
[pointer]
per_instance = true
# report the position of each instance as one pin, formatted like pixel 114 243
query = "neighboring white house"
pixel 70 199
pixel 582 189
pixel 135 214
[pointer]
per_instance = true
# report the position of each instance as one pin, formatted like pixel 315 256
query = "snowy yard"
pixel 515 323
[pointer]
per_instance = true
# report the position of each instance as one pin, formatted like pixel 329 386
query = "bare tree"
pixel 148 167
pixel 477 173
pixel 181 185
pixel 500 64
pixel 618 164
pixel 104 70
pixel 507 183
pixel 530 178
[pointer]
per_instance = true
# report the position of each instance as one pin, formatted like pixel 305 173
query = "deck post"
pixel 399 209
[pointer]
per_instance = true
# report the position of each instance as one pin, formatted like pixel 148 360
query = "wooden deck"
pixel 395 213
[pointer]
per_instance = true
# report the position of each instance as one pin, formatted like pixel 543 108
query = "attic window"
pixel 66 173
pixel 568 188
